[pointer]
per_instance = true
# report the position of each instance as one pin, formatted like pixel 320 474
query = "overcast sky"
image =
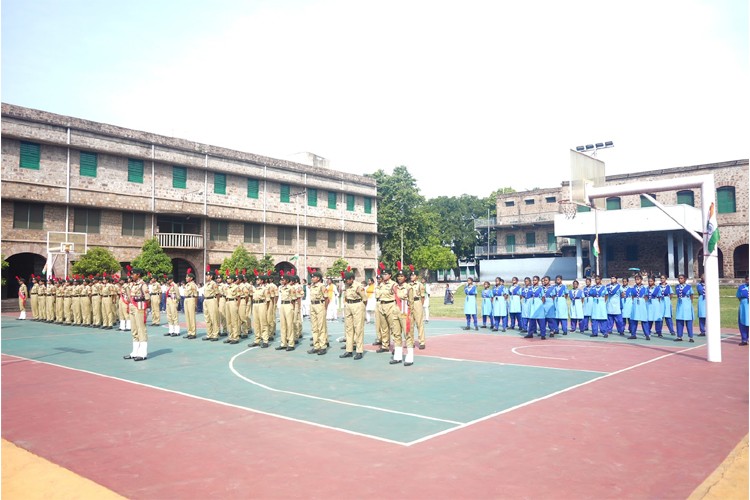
pixel 470 95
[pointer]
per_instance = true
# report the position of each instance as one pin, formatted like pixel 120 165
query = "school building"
pixel 643 238
pixel 121 187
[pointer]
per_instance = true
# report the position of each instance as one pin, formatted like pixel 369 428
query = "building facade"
pixel 122 187
pixel 525 228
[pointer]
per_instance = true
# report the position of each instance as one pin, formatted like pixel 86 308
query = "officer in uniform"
pixel 34 295
pixel 298 294
pixel 49 299
pixel 387 311
pixel 242 304
pixel 259 313
pixel 173 299
pixel 76 302
pixel 210 307
pixel 41 298
pixel 355 298
pixel 286 314
pixel 222 301
pixel 60 302
pixel 108 296
pixel 137 296
pixel 272 294
pixel 318 307
pixel 404 299
pixel 232 311
pixel 417 311
pixel 22 296
pixel 154 290
pixel 96 302
pixel 68 302
pixel 191 304
pixel 122 305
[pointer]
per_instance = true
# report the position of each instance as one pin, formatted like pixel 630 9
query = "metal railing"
pixel 180 240
pixel 523 248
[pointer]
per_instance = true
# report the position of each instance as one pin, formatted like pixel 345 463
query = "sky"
pixel 470 95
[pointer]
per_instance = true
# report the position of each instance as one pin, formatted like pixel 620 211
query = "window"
pixel 368 205
pixel 351 239
pixel 551 242
pixel 631 253
pixel 510 243
pixel 133 224
pixel 28 215
pixel 88 163
pixel 179 177
pixel 284 235
pixel 350 202
pixel 135 171
pixel 613 203
pixel 331 239
pixel 252 233
pixel 220 183
pixel 312 197
pixel 529 201
pixel 332 200
pixel 725 201
pixel 312 237
pixel 29 155
pixel 284 192
pixel 510 203
pixel 645 202
pixel 252 188
pixel 686 198
pixel 368 242
pixel 86 220
pixel 609 254
pixel 219 230
pixel 583 208
pixel 550 199
pixel 530 240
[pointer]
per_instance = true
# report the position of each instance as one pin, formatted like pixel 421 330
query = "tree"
pixel 96 261
pixel 240 259
pixel 5 265
pixel 266 264
pixel 434 258
pixel 456 216
pixel 339 265
pixel 152 259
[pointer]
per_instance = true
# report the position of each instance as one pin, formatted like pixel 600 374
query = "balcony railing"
pixel 180 240
pixel 524 249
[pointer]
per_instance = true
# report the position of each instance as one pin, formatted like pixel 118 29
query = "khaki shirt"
pixel 259 294
pixel 232 291
pixel 286 292
pixel 191 290
pixel 317 292
pixel 354 292
pixel 210 289
pixel 384 291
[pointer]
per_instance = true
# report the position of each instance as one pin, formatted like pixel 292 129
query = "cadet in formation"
pixel 355 298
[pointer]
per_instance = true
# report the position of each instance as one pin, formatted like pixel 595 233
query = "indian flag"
pixel 595 246
pixel 294 258
pixel 712 231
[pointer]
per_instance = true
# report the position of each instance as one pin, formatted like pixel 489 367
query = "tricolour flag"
pixel 595 246
pixel 294 258
pixel 712 231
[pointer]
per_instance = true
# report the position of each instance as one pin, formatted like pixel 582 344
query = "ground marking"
pixel 513 350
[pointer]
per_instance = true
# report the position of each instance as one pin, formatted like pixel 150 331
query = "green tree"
pixel 455 226
pixel 434 257
pixel 339 265
pixel 5 265
pixel 152 259
pixel 266 264
pixel 240 259
pixel 96 260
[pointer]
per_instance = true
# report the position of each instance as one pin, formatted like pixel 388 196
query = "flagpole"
pixel 596 238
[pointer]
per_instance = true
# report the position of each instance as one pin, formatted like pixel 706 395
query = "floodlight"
pixel 589 146
pixel 599 145
pixel 580 148
pixel 608 144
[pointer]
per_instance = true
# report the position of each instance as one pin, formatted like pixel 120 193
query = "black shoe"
pixel 223 334
pixel 383 349
pixel 422 346
pixel 205 339
pixel 605 335
pixel 632 337
pixel 175 335
pixel 529 336
pixel 189 337
pixel 565 333
pixel 543 337
pixel 343 347
pixel 701 334
pixel 678 339
pixel 494 329
pixel 140 358
pixel 594 335
pixel 214 339
pixel 264 345
pixel 377 342
pixel 406 363
pixel 347 354
pixel 466 328
pixel 254 344
pixel 483 326
pixel 691 340
pixel 127 356
pixel 648 337
pixel 475 328
pixel 322 351
pixel 290 348
pixel 358 355
pixel 312 351
pixel 235 341
pixel 167 334
pixel 280 348
pixel 742 343
pixel 660 335
pixel 394 362
pixel 226 341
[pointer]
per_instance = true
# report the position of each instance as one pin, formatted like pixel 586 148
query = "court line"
pixel 513 350
pixel 527 403
pixel 328 400
pixel 500 363
pixel 223 403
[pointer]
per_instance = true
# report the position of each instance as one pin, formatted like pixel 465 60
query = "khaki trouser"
pixel 354 326
pixel 34 305
pixel 41 305
pixel 297 320
pixel 76 304
pixel 68 310
pixel 138 324
pixel 60 309
pixel 402 332
pixel 417 320
pixel 86 310
pixel 259 322
pixel 155 312
pixel 319 326
pixel 108 311
pixel 172 316
pixel 286 314
pixel 51 303
pixel 223 315
pixel 389 322
pixel 242 316
pixel 123 313
pixel 211 315
pixel 271 317
pixel 96 310
pixel 190 303
pixel 233 319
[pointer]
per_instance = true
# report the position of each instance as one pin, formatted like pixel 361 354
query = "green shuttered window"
pixel 284 192
pixel 312 197
pixel 350 202
pixel 686 198
pixel 88 164
pixel 29 155
pixel 220 183
pixel 179 177
pixel 725 200
pixel 28 215
pixel 332 200
pixel 135 171
pixel 368 205
pixel 253 188
pixel 133 224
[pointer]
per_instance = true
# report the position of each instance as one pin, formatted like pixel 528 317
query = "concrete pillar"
pixel 579 260
pixel 670 255
pixel 690 260
pixel 681 253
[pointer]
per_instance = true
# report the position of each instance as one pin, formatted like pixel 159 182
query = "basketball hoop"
pixel 568 209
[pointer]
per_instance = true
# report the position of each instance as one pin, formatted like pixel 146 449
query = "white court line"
pixel 223 403
pixel 32 337
pixel 527 403
pixel 336 401
pixel 552 345
pixel 500 363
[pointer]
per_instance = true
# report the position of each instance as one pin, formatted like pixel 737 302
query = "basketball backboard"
pixel 60 242
pixel 585 169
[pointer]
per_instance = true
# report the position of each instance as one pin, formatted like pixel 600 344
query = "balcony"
pixel 523 249
pixel 485 223
pixel 180 240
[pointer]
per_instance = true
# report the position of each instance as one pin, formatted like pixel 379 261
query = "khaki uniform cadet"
pixel 375 315
pixel 191 304
pixel 222 305
pixel 96 303
pixel 417 311
pixel 286 314
pixel 318 307
pixel 122 306
pixel 86 303
pixel 173 298
pixel 23 295
pixel 51 300
pixel 249 290
pixel 232 310
pixel 298 293
pixel 68 302
pixel 210 308
pixel 44 294
pixel 404 301
pixel 244 306
pixel 355 298
pixel 60 302
pixel 259 314
pixel 137 295
pixel 41 300
pixel 108 293
pixel 154 291
pixel 76 300
pixel 272 296
pixel 34 296
pixel 388 321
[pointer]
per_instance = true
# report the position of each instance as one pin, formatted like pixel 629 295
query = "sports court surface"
pixel 479 414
